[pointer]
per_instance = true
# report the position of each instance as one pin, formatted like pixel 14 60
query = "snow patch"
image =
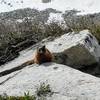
pixel 19 20
pixel 55 17
pixel 89 6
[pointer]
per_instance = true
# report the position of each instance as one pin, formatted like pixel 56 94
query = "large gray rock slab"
pixel 66 83
pixel 75 49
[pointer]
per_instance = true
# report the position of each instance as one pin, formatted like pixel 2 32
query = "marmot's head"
pixel 41 50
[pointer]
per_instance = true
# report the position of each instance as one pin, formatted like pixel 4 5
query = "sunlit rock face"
pixel 63 80
pixel 76 49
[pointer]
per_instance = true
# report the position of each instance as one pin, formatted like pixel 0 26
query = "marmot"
pixel 42 55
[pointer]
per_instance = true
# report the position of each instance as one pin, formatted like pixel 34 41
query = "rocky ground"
pixel 71 51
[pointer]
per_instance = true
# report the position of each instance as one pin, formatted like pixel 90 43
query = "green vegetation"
pixel 25 97
pixel 81 22
pixel 42 91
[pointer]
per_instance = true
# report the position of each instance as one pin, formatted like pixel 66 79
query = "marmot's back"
pixel 42 55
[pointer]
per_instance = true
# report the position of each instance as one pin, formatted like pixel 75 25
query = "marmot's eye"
pixel 39 50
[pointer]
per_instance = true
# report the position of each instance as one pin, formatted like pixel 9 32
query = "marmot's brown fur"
pixel 42 55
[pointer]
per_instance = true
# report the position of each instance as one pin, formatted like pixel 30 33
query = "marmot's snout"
pixel 42 50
